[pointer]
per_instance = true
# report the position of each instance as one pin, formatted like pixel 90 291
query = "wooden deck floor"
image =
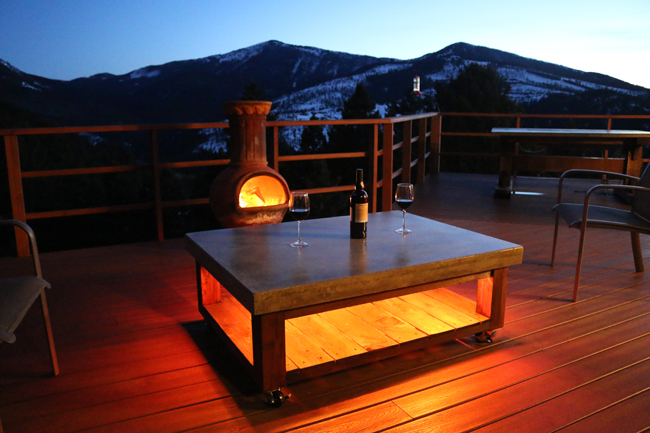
pixel 136 356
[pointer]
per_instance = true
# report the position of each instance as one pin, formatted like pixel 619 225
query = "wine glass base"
pixel 300 244
pixel 403 231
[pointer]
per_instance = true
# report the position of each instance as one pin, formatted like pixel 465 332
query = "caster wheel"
pixel 485 337
pixel 276 398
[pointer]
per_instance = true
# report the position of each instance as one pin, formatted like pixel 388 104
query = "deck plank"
pixel 631 415
pixel 562 410
pixel 520 394
pixel 135 354
pixel 354 390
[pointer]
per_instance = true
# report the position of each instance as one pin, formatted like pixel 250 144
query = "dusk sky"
pixel 67 39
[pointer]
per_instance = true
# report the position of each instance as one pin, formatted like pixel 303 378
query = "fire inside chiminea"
pixel 248 191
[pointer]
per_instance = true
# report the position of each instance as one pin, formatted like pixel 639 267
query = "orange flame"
pixel 259 191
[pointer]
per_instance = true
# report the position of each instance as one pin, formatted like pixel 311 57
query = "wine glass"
pixel 404 199
pixel 299 208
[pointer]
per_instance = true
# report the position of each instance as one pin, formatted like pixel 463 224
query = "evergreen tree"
pixel 594 101
pixel 343 138
pixel 253 92
pixel 312 139
pixel 412 103
pixel 477 89
pixel 350 138
pixel 360 105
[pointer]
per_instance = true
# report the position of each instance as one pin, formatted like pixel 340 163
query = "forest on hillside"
pixel 477 88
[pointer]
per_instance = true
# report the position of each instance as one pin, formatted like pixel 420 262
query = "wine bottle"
pixel 358 209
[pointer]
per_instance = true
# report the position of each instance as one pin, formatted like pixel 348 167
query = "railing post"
pixel 373 159
pixel 422 150
pixel 274 155
pixel 407 139
pixel 436 139
pixel 387 165
pixel 16 192
pixel 157 190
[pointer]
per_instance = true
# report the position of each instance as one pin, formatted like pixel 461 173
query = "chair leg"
pixel 557 221
pixel 636 250
pixel 48 330
pixel 583 232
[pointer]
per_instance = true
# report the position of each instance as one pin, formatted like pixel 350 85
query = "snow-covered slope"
pixel 301 81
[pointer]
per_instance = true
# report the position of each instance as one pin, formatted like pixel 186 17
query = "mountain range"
pixel 301 81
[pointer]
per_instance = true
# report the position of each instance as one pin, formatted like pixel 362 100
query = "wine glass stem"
pixel 403 219
pixel 299 232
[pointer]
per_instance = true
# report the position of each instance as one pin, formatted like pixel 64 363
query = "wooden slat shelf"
pixel 334 335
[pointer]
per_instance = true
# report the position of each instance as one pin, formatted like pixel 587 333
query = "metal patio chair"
pixel 18 294
pixel 583 216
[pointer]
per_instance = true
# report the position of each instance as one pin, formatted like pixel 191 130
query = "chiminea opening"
pixel 248 191
pixel 262 190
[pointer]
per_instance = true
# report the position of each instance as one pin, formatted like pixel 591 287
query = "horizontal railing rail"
pixel 535 159
pixel 429 127
pixel 551 163
pixel 382 168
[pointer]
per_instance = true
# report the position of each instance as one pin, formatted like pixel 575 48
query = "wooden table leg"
pixel 634 158
pixel 269 355
pixel 491 299
pixel 504 187
pixel 499 286
pixel 209 288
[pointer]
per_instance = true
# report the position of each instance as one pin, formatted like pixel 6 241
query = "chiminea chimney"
pixel 248 191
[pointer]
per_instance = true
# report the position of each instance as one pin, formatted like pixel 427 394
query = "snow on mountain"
pixel 10 66
pixel 301 81
pixel 529 79
pixel 29 86
pixel 326 100
pixel 217 140
pixel 147 72
pixel 526 77
pixel 240 55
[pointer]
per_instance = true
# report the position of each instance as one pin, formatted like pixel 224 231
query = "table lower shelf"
pixel 337 335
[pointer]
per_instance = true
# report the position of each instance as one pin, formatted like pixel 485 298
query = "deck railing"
pixel 380 191
pixel 419 154
pixel 544 163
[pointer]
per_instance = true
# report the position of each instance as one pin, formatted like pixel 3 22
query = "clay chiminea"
pixel 248 191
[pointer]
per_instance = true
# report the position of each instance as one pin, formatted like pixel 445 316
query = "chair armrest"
pixel 601 172
pixel 32 243
pixel 606 186
pixel 585 210
pixel 607 173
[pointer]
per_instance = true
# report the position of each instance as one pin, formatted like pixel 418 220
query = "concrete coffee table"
pixel 290 314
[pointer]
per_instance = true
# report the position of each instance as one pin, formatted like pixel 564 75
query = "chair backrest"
pixel 641 199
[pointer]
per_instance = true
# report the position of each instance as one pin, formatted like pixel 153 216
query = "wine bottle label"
pixel 360 213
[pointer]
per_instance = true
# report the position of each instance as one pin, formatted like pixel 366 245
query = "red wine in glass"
pixel 404 198
pixel 299 208
pixel 299 214
pixel 404 204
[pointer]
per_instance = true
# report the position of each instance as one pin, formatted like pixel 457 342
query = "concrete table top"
pixel 257 265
